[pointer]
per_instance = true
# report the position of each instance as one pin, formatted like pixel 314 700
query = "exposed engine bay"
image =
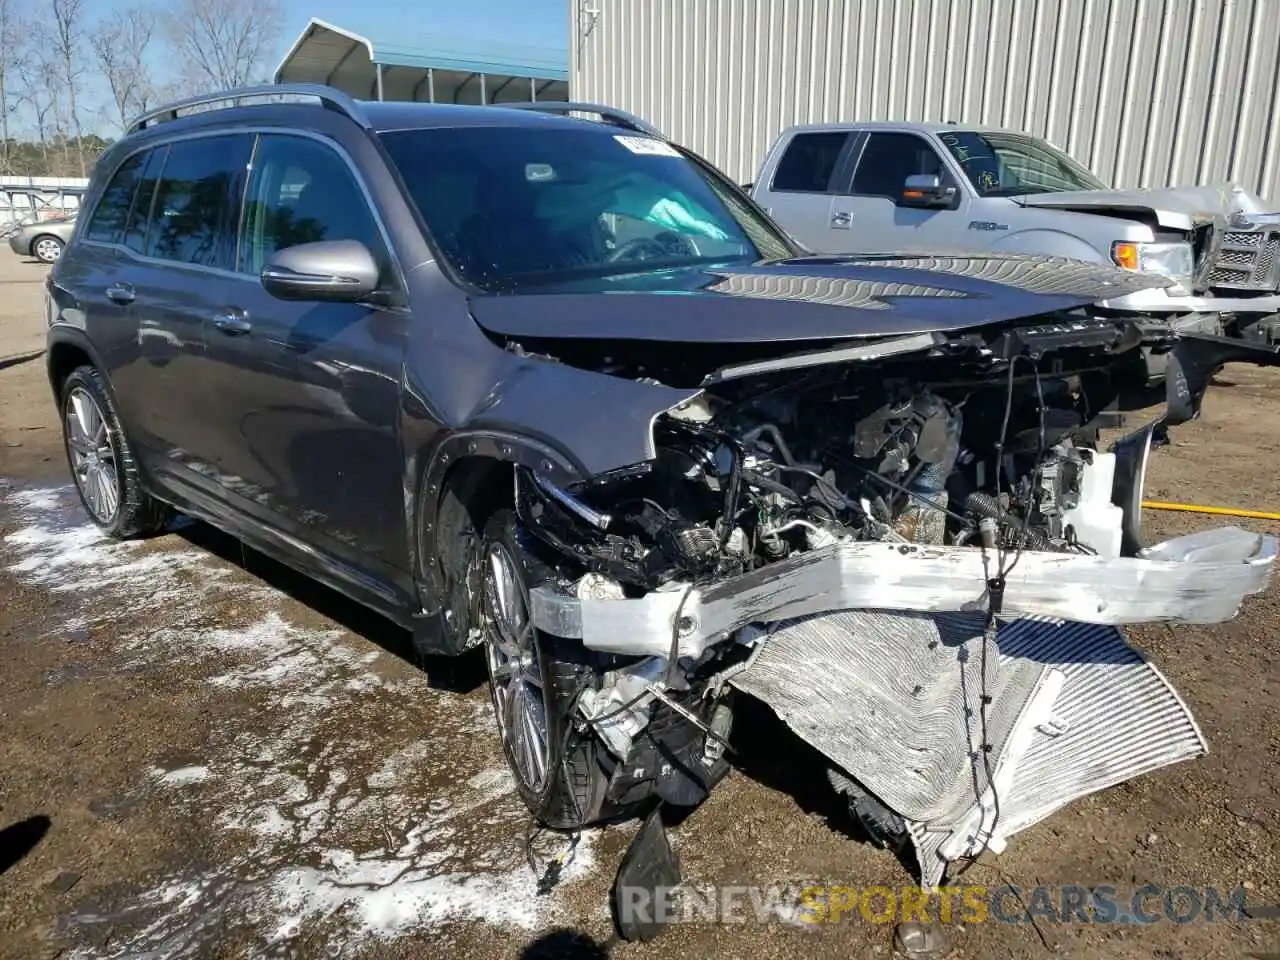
pixel 895 461
pixel 920 563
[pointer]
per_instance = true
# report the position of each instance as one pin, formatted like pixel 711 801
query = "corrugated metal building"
pixel 1146 93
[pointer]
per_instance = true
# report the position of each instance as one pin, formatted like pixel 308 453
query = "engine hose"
pixel 985 505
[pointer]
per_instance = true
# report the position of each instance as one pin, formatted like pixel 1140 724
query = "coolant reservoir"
pixel 1098 523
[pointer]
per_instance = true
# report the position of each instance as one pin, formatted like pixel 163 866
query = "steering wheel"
pixel 664 246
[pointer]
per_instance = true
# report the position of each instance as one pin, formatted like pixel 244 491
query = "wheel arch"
pixel 463 480
pixel 68 349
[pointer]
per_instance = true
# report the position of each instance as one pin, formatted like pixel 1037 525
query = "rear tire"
pixel 534 682
pixel 101 460
pixel 46 248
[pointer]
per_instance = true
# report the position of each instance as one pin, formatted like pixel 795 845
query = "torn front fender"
pixel 1192 362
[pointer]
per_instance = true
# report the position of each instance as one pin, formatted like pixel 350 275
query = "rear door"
pixel 308 393
pixel 801 187
pixel 182 263
pixel 867 202
pixel 101 279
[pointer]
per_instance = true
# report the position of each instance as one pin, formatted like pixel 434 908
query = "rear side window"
pixel 301 191
pixel 135 230
pixel 112 211
pixel 889 158
pixel 193 206
pixel 809 162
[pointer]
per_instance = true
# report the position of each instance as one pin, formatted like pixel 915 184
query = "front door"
pixel 308 417
pixel 867 208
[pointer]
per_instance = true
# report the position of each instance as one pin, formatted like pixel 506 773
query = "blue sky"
pixel 542 23
pixel 532 22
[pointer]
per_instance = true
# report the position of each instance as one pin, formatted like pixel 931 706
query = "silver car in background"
pixel 44 239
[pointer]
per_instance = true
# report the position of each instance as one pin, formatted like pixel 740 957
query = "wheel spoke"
pixel 88 412
pixel 92 491
pixel 110 485
pixel 502 672
pixel 536 742
pixel 78 417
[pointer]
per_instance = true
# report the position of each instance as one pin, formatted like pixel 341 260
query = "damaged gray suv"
pixel 551 386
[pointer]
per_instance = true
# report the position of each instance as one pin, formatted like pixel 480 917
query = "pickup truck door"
pixel 865 214
pixel 799 190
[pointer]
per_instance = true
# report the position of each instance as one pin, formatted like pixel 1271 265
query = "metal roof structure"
pixel 434 69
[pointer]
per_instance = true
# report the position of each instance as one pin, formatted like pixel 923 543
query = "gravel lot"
pixel 234 762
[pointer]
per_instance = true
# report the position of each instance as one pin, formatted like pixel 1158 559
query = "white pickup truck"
pixel 894 188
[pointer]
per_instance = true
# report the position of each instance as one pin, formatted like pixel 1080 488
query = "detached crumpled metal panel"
pixel 894 699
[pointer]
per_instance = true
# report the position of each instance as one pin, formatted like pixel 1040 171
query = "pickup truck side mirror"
pixel 927 191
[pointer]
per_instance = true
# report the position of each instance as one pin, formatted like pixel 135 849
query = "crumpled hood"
pixel 810 298
pixel 1178 208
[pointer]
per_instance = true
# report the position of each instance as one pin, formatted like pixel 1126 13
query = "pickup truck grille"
pixel 1247 260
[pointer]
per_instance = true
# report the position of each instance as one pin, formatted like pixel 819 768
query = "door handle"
pixel 232 324
pixel 121 293
pixel 841 219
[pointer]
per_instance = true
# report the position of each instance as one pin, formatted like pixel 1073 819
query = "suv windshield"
pixel 515 207
pixel 1006 165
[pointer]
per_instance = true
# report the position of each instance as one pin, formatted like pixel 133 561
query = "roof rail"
pixel 328 97
pixel 619 118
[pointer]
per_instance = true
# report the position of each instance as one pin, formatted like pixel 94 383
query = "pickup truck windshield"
pixel 515 207
pixel 1006 165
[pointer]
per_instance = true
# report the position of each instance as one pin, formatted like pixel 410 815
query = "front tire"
pixel 534 682
pixel 101 460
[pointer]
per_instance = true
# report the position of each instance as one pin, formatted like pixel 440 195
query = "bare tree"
pixel 10 48
pixel 120 45
pixel 66 42
pixel 39 90
pixel 224 43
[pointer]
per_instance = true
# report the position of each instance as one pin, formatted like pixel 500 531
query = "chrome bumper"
pixel 1200 578
pixel 1161 303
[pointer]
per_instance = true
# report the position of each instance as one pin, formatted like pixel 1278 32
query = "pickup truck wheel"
pixel 101 460
pixel 534 682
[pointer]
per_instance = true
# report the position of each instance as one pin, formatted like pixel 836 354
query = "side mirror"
pixel 333 271
pixel 927 191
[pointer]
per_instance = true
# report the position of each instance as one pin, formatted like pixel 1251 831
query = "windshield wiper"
pixel 1023 191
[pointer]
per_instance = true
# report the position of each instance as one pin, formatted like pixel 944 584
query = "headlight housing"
pixel 1174 260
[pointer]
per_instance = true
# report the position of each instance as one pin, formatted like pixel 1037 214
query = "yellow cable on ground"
pixel 1217 511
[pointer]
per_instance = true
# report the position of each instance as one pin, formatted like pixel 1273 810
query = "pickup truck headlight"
pixel 1173 260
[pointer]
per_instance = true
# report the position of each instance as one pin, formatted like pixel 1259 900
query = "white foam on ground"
pixel 346 791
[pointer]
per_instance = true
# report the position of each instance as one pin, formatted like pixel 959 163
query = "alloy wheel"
pixel 93 456
pixel 514 667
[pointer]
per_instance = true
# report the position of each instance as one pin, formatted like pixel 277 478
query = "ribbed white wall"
pixel 1144 92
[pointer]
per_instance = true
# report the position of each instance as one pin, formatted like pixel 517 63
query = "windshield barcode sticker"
pixel 648 146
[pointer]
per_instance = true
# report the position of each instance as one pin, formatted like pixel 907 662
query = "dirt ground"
pixel 202 755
